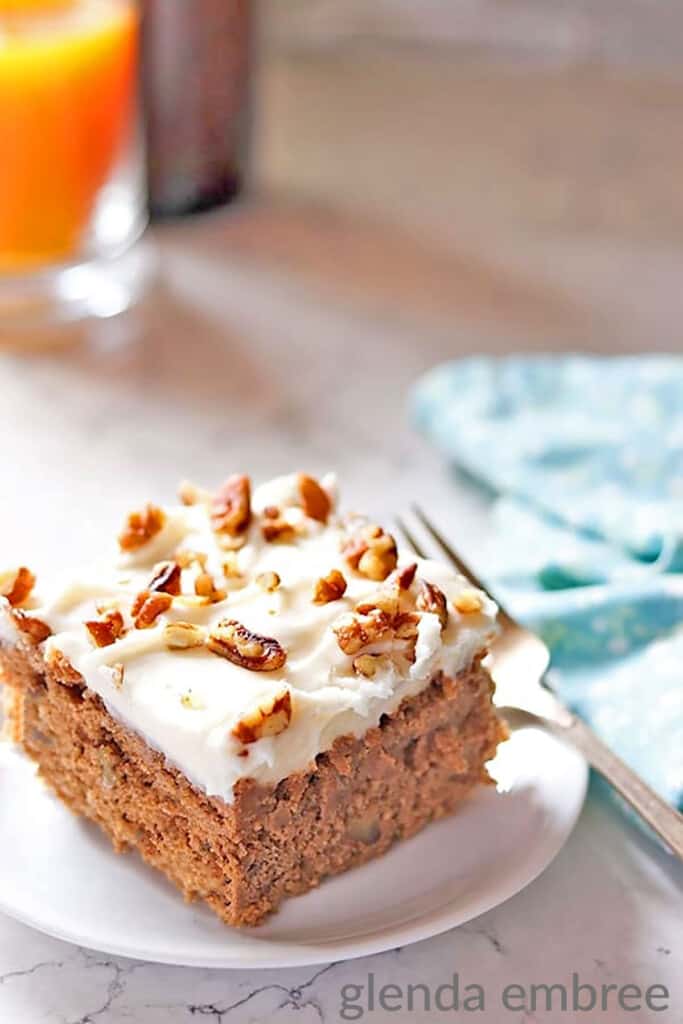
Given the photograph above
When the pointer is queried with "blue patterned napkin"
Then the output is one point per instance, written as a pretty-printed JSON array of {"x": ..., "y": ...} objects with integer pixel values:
[{"x": 583, "y": 457}]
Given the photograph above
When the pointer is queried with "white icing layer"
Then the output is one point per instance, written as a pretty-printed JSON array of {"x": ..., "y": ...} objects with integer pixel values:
[{"x": 186, "y": 703}]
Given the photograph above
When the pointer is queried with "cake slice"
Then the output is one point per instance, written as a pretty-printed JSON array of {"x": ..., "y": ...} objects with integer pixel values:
[{"x": 252, "y": 691}]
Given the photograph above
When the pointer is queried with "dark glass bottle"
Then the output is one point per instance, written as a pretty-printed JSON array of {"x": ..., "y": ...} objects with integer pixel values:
[{"x": 196, "y": 73}]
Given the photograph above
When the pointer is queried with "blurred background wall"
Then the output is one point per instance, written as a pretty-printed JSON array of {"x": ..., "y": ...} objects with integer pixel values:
[
  {"x": 544, "y": 135},
  {"x": 620, "y": 31}
]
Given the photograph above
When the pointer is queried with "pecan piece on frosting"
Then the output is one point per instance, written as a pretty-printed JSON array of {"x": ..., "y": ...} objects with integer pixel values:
[
  {"x": 148, "y": 607},
  {"x": 35, "y": 628},
  {"x": 329, "y": 588},
  {"x": 355, "y": 631},
  {"x": 141, "y": 527},
  {"x": 107, "y": 629},
  {"x": 368, "y": 664},
  {"x": 468, "y": 602},
  {"x": 315, "y": 502},
  {"x": 231, "y": 506},
  {"x": 17, "y": 585},
  {"x": 268, "y": 581},
  {"x": 371, "y": 552},
  {"x": 232, "y": 640},
  {"x": 276, "y": 528},
  {"x": 190, "y": 494},
  {"x": 268, "y": 719},
  {"x": 405, "y": 576},
  {"x": 432, "y": 599},
  {"x": 205, "y": 586},
  {"x": 180, "y": 636},
  {"x": 166, "y": 578}
]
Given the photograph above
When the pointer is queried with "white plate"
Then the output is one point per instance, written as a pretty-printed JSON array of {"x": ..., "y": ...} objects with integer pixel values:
[{"x": 59, "y": 874}]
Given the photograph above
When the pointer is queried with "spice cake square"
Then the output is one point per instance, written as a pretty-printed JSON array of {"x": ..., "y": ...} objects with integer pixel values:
[{"x": 252, "y": 690}]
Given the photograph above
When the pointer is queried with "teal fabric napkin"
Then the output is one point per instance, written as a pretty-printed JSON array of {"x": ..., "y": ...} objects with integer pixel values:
[{"x": 583, "y": 458}]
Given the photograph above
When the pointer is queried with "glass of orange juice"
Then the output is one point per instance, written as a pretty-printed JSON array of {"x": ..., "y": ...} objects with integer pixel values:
[{"x": 71, "y": 182}]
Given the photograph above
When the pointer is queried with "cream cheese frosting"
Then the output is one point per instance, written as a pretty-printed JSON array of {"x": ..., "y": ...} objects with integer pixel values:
[{"x": 187, "y": 704}]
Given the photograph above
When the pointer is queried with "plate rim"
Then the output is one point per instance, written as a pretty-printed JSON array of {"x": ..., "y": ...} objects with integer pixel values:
[{"x": 279, "y": 953}]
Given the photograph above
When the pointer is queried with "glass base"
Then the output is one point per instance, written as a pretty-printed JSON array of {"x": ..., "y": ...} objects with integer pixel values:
[{"x": 47, "y": 301}]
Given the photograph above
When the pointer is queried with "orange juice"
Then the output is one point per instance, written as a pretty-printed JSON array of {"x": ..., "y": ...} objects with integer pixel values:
[{"x": 67, "y": 75}]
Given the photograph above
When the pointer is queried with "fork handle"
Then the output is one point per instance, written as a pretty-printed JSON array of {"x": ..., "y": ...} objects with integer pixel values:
[{"x": 660, "y": 816}]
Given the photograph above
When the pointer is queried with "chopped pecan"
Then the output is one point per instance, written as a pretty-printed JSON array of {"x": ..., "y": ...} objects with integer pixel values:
[
  {"x": 355, "y": 631},
  {"x": 148, "y": 607},
  {"x": 314, "y": 500},
  {"x": 231, "y": 569},
  {"x": 329, "y": 588},
  {"x": 180, "y": 636},
  {"x": 268, "y": 719},
  {"x": 405, "y": 576},
  {"x": 17, "y": 585},
  {"x": 204, "y": 586},
  {"x": 386, "y": 600},
  {"x": 406, "y": 625},
  {"x": 35, "y": 628},
  {"x": 432, "y": 599},
  {"x": 268, "y": 581},
  {"x": 380, "y": 558},
  {"x": 107, "y": 629},
  {"x": 368, "y": 664},
  {"x": 166, "y": 578},
  {"x": 278, "y": 530},
  {"x": 271, "y": 512},
  {"x": 371, "y": 552},
  {"x": 190, "y": 494},
  {"x": 141, "y": 527},
  {"x": 186, "y": 558},
  {"x": 355, "y": 546},
  {"x": 231, "y": 506},
  {"x": 468, "y": 602},
  {"x": 233, "y": 641}
]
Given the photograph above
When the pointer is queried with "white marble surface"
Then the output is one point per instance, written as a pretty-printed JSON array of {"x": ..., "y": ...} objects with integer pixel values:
[{"x": 236, "y": 366}]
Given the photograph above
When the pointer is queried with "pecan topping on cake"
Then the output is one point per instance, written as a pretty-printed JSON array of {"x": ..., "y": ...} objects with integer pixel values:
[
  {"x": 231, "y": 640},
  {"x": 16, "y": 585},
  {"x": 148, "y": 607},
  {"x": 107, "y": 629},
  {"x": 268, "y": 581},
  {"x": 276, "y": 528},
  {"x": 432, "y": 599},
  {"x": 468, "y": 602},
  {"x": 386, "y": 601},
  {"x": 231, "y": 506},
  {"x": 406, "y": 625},
  {"x": 204, "y": 586},
  {"x": 268, "y": 719},
  {"x": 405, "y": 576},
  {"x": 368, "y": 664},
  {"x": 35, "y": 628},
  {"x": 371, "y": 552},
  {"x": 314, "y": 500},
  {"x": 180, "y": 636},
  {"x": 355, "y": 631},
  {"x": 141, "y": 527},
  {"x": 166, "y": 578},
  {"x": 329, "y": 588},
  {"x": 190, "y": 494}
]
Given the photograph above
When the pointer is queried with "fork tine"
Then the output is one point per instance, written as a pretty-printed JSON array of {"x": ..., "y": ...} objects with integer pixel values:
[
  {"x": 412, "y": 542},
  {"x": 456, "y": 560}
]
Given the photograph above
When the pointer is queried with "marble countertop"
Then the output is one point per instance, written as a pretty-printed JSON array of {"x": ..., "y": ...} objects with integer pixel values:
[{"x": 288, "y": 335}]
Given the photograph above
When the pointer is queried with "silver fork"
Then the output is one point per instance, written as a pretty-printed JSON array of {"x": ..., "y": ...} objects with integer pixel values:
[{"x": 518, "y": 662}]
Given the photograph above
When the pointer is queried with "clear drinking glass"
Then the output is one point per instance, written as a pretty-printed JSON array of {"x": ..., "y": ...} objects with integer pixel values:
[{"x": 72, "y": 200}]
